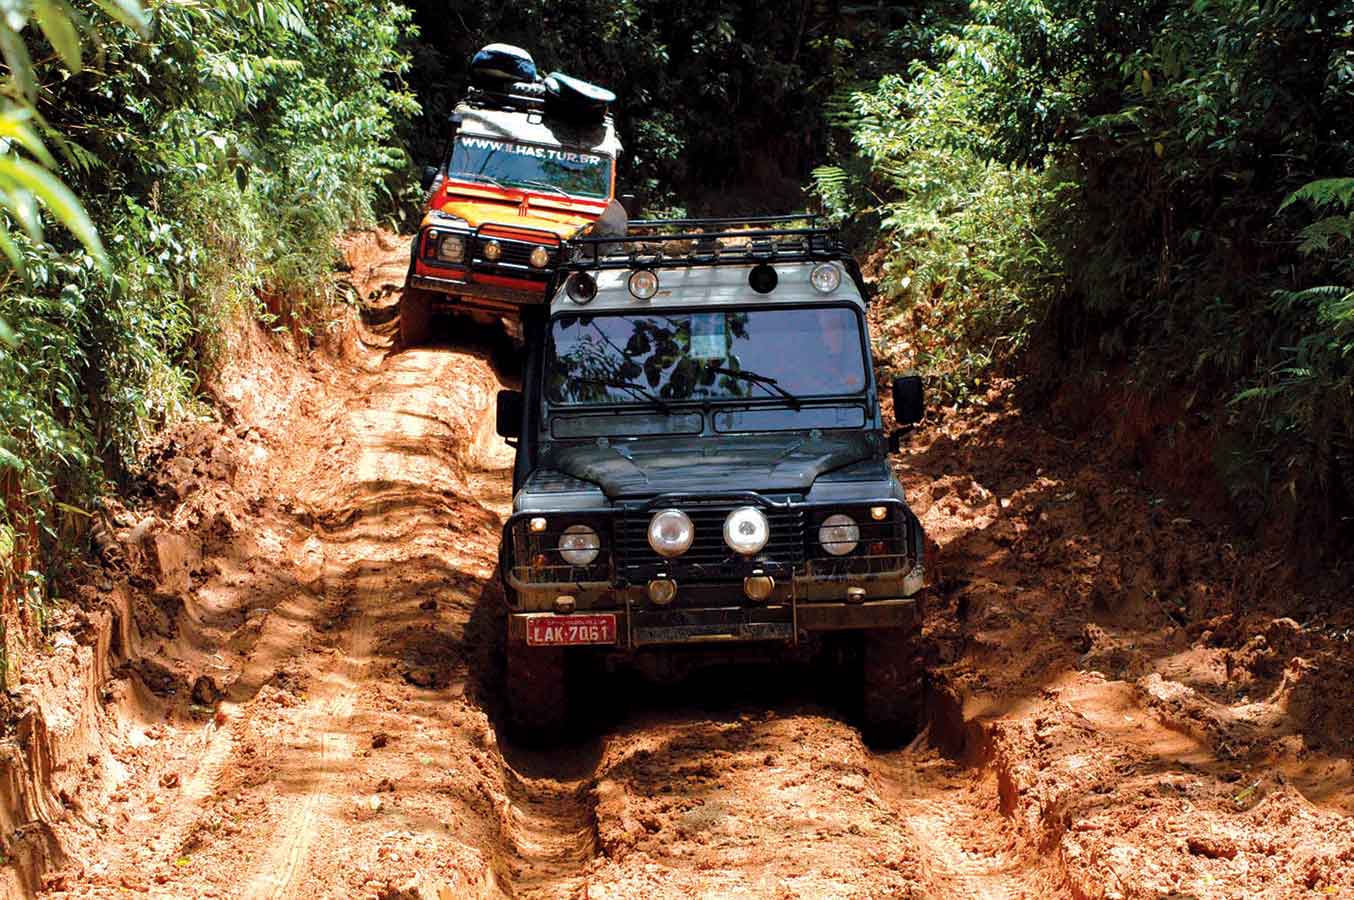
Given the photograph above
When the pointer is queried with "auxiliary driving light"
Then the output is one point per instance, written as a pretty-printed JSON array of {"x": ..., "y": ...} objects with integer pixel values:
[
  {"x": 451, "y": 248},
  {"x": 643, "y": 284},
  {"x": 537, "y": 524},
  {"x": 671, "y": 532},
  {"x": 746, "y": 530},
  {"x": 825, "y": 278},
  {"x": 662, "y": 591},
  {"x": 763, "y": 278},
  {"x": 839, "y": 534},
  {"x": 879, "y": 513},
  {"x": 758, "y": 587},
  {"x": 581, "y": 288},
  {"x": 539, "y": 258},
  {"x": 492, "y": 251},
  {"x": 579, "y": 545}
]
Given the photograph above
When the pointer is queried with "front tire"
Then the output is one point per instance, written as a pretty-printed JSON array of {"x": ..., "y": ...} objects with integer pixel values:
[
  {"x": 893, "y": 685},
  {"x": 537, "y": 691},
  {"x": 416, "y": 315}
]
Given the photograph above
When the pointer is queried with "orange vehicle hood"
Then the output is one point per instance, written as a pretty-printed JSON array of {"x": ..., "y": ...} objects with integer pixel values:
[{"x": 561, "y": 216}]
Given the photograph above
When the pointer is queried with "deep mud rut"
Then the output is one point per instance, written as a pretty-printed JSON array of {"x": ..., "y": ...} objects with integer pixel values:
[{"x": 305, "y": 703}]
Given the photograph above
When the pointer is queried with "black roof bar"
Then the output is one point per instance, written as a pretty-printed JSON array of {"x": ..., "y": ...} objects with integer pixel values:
[{"x": 727, "y": 220}]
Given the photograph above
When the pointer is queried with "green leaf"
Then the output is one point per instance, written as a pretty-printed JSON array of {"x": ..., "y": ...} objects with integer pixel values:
[
  {"x": 7, "y": 336},
  {"x": 57, "y": 198},
  {"x": 129, "y": 13},
  {"x": 1323, "y": 192},
  {"x": 56, "y": 25},
  {"x": 14, "y": 127},
  {"x": 20, "y": 64}
]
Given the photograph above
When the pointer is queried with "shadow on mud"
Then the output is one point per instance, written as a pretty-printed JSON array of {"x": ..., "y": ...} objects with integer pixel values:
[
  {"x": 608, "y": 700},
  {"x": 490, "y": 341}
]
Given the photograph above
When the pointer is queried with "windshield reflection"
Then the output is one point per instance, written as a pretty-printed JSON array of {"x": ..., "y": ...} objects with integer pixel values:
[{"x": 801, "y": 352}]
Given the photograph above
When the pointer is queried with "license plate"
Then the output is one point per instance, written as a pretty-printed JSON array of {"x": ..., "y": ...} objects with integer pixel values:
[{"x": 572, "y": 630}]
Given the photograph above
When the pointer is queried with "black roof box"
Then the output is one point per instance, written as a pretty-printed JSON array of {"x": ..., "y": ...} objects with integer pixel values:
[
  {"x": 574, "y": 100},
  {"x": 495, "y": 66}
]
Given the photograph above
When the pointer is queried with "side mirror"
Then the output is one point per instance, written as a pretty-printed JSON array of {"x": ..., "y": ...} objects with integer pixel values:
[
  {"x": 509, "y": 418},
  {"x": 429, "y": 176},
  {"x": 908, "y": 407},
  {"x": 630, "y": 203}
]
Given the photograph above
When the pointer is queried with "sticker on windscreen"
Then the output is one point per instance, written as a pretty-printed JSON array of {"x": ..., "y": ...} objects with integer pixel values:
[{"x": 707, "y": 336}]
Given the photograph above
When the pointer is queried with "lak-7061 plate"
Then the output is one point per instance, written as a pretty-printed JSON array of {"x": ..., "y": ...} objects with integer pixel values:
[{"x": 569, "y": 630}]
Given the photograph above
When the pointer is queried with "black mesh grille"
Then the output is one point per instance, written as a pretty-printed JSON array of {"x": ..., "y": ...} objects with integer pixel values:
[
  {"x": 515, "y": 253},
  {"x": 708, "y": 554}
]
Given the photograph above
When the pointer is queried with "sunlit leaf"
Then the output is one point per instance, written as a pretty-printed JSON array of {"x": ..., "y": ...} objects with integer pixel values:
[
  {"x": 56, "y": 25},
  {"x": 129, "y": 13},
  {"x": 56, "y": 197}
]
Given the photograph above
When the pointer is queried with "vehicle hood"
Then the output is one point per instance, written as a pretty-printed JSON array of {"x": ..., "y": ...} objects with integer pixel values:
[
  {"x": 781, "y": 463},
  {"x": 556, "y": 215}
]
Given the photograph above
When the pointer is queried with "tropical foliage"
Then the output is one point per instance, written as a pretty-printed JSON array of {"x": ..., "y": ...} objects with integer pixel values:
[
  {"x": 218, "y": 149},
  {"x": 1164, "y": 184}
]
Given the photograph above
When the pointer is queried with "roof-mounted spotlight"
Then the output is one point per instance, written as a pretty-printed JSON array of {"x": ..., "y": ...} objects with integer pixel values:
[
  {"x": 763, "y": 278},
  {"x": 825, "y": 277},
  {"x": 581, "y": 288},
  {"x": 643, "y": 284}
]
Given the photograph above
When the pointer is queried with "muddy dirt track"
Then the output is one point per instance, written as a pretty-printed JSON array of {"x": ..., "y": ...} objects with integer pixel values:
[{"x": 303, "y": 700}]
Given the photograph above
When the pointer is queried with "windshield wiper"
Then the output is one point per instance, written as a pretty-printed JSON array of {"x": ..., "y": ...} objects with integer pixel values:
[
  {"x": 545, "y": 184},
  {"x": 766, "y": 381},
  {"x": 476, "y": 176},
  {"x": 634, "y": 389}
]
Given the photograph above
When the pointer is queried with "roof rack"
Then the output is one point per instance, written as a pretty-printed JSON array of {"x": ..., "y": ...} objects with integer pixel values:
[
  {"x": 729, "y": 241},
  {"x": 516, "y": 97}
]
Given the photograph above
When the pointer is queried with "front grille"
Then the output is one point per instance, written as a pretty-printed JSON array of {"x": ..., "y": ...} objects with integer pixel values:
[
  {"x": 709, "y": 558},
  {"x": 515, "y": 259}
]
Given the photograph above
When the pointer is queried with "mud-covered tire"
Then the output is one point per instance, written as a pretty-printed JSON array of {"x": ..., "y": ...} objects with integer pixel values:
[
  {"x": 416, "y": 316},
  {"x": 536, "y": 689},
  {"x": 893, "y": 685}
]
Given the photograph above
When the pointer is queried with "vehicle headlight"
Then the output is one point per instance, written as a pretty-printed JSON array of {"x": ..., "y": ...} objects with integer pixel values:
[
  {"x": 492, "y": 251},
  {"x": 825, "y": 278},
  {"x": 746, "y": 530},
  {"x": 451, "y": 248},
  {"x": 581, "y": 288},
  {"x": 539, "y": 258},
  {"x": 839, "y": 534},
  {"x": 579, "y": 545},
  {"x": 643, "y": 284},
  {"x": 671, "y": 533}
]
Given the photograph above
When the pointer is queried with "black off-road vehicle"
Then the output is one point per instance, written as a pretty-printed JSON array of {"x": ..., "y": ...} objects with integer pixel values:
[{"x": 702, "y": 468}]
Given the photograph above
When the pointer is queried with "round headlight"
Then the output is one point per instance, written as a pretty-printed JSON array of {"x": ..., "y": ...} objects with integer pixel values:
[
  {"x": 643, "y": 284},
  {"x": 825, "y": 278},
  {"x": 839, "y": 534},
  {"x": 451, "y": 248},
  {"x": 579, "y": 545},
  {"x": 539, "y": 258},
  {"x": 671, "y": 533},
  {"x": 493, "y": 250},
  {"x": 746, "y": 530},
  {"x": 581, "y": 287}
]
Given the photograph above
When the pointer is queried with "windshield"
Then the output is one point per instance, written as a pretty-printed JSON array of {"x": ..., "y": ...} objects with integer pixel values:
[
  {"x": 780, "y": 354},
  {"x": 531, "y": 166}
]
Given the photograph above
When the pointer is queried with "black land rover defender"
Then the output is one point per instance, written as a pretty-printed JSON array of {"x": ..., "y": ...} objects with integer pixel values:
[{"x": 702, "y": 468}]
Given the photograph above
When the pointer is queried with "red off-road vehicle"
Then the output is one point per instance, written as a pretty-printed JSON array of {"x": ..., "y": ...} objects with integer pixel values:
[{"x": 528, "y": 164}]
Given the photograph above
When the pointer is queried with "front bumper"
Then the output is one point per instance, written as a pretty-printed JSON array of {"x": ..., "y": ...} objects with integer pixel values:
[
  {"x": 457, "y": 293},
  {"x": 787, "y": 624}
]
